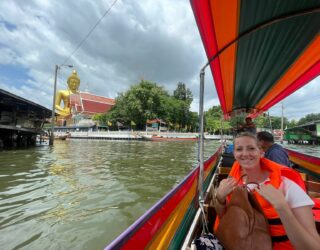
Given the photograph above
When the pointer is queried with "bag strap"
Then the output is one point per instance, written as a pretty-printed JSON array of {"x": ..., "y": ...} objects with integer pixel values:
[
  {"x": 246, "y": 184},
  {"x": 205, "y": 228},
  {"x": 251, "y": 182}
]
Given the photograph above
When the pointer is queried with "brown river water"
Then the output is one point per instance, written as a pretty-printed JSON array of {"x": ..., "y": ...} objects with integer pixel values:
[{"x": 81, "y": 194}]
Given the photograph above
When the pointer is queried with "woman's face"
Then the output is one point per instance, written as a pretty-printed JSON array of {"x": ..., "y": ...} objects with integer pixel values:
[{"x": 247, "y": 152}]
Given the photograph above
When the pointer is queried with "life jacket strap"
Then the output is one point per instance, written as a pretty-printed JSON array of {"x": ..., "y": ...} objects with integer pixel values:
[
  {"x": 275, "y": 221},
  {"x": 281, "y": 238}
]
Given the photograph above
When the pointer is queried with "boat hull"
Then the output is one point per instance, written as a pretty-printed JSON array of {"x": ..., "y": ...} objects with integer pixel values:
[
  {"x": 174, "y": 221},
  {"x": 165, "y": 225},
  {"x": 160, "y": 138}
]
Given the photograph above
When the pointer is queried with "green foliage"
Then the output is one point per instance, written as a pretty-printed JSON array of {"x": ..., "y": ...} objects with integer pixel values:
[
  {"x": 214, "y": 121},
  {"x": 309, "y": 118},
  {"x": 100, "y": 118},
  {"x": 271, "y": 122},
  {"x": 183, "y": 93},
  {"x": 147, "y": 100},
  {"x": 292, "y": 124},
  {"x": 262, "y": 121},
  {"x": 236, "y": 121}
]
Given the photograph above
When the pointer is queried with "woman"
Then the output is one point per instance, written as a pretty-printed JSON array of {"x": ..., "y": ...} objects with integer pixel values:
[{"x": 278, "y": 196}]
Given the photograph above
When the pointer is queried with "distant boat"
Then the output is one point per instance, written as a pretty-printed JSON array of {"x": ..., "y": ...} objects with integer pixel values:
[
  {"x": 61, "y": 137},
  {"x": 42, "y": 140},
  {"x": 217, "y": 137},
  {"x": 171, "y": 137}
]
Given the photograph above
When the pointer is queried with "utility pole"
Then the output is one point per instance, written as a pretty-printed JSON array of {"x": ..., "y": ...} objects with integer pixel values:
[
  {"x": 270, "y": 123},
  {"x": 57, "y": 67},
  {"x": 53, "y": 105},
  {"x": 281, "y": 137}
]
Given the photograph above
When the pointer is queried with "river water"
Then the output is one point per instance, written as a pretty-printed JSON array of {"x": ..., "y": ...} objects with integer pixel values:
[{"x": 81, "y": 194}]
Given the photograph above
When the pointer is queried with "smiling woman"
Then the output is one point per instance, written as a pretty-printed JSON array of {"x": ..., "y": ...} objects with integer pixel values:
[{"x": 279, "y": 197}]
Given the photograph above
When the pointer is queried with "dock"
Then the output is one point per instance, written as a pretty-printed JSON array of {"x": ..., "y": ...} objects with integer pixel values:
[{"x": 21, "y": 121}]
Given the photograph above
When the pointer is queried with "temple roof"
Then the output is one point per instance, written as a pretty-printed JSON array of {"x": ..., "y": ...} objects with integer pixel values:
[{"x": 90, "y": 104}]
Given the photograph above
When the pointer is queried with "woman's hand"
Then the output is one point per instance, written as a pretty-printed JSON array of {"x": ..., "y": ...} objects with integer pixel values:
[
  {"x": 298, "y": 222},
  {"x": 273, "y": 195},
  {"x": 226, "y": 187}
]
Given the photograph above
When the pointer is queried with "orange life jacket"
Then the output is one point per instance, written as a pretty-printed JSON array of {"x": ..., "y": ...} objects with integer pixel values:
[{"x": 277, "y": 231}]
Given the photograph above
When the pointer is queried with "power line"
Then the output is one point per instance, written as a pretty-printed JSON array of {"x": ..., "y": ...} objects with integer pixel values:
[{"x": 89, "y": 33}]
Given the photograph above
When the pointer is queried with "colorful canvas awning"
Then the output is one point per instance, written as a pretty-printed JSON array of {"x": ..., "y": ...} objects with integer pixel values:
[{"x": 265, "y": 50}]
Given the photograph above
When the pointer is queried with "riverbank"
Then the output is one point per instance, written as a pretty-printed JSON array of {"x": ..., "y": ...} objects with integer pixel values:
[{"x": 136, "y": 135}]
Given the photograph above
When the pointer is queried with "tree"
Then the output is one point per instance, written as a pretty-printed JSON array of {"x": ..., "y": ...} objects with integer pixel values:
[
  {"x": 100, "y": 118},
  {"x": 184, "y": 97},
  {"x": 214, "y": 122},
  {"x": 141, "y": 102},
  {"x": 183, "y": 93},
  {"x": 147, "y": 100},
  {"x": 309, "y": 118},
  {"x": 292, "y": 124}
]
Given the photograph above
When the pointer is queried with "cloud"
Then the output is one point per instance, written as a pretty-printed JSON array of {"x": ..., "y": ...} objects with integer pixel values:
[
  {"x": 8, "y": 56},
  {"x": 152, "y": 40},
  {"x": 302, "y": 102}
]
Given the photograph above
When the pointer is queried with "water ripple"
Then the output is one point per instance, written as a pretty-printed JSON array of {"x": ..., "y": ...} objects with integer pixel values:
[{"x": 81, "y": 194}]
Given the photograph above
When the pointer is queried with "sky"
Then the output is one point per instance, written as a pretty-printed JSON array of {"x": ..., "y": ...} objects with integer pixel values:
[{"x": 113, "y": 44}]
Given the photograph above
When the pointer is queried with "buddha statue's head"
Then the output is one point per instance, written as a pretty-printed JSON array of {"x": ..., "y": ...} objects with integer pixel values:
[{"x": 73, "y": 82}]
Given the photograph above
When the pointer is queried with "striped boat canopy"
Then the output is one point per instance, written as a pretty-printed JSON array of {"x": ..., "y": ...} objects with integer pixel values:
[{"x": 260, "y": 51}]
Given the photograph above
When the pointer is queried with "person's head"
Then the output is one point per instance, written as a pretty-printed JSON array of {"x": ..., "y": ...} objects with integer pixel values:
[
  {"x": 248, "y": 119},
  {"x": 265, "y": 140},
  {"x": 247, "y": 151},
  {"x": 73, "y": 82}
]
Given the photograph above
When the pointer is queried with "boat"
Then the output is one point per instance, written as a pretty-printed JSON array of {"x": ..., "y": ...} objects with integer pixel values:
[
  {"x": 171, "y": 137},
  {"x": 259, "y": 53},
  {"x": 165, "y": 138},
  {"x": 42, "y": 140},
  {"x": 218, "y": 137},
  {"x": 61, "y": 137}
]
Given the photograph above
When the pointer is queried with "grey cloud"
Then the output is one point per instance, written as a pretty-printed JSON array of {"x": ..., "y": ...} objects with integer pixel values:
[{"x": 154, "y": 40}]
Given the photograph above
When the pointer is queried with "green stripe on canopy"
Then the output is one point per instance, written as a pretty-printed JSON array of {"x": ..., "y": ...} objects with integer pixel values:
[{"x": 265, "y": 55}]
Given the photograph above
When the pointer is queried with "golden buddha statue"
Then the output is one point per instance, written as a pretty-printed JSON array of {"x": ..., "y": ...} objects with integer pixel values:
[{"x": 64, "y": 95}]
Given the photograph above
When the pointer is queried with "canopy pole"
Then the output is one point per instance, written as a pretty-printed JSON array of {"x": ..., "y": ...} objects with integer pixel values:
[{"x": 201, "y": 135}]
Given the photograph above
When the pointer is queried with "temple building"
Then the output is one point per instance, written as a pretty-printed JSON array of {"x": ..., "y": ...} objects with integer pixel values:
[
  {"x": 88, "y": 104},
  {"x": 85, "y": 105}
]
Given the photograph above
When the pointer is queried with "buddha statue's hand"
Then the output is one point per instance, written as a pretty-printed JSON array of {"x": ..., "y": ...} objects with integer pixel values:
[{"x": 62, "y": 111}]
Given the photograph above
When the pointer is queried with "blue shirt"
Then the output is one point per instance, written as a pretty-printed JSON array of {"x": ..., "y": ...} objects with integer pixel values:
[{"x": 277, "y": 154}]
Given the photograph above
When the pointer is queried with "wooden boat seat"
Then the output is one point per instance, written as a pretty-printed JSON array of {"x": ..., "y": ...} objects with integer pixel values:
[
  {"x": 316, "y": 215},
  {"x": 227, "y": 159},
  {"x": 224, "y": 170},
  {"x": 313, "y": 186}
]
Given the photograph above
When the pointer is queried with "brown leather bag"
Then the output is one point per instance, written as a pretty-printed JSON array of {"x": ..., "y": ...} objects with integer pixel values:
[{"x": 244, "y": 226}]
